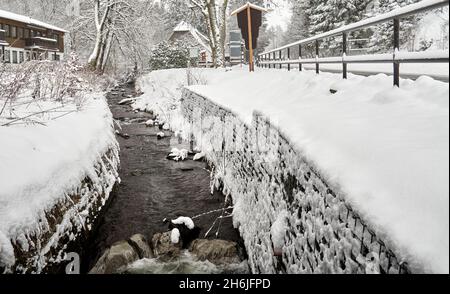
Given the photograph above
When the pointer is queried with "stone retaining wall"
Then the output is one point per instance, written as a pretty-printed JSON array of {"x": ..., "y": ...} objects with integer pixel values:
[
  {"x": 290, "y": 219},
  {"x": 67, "y": 225}
]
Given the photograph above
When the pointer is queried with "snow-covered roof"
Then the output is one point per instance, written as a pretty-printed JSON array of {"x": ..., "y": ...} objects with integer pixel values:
[
  {"x": 252, "y": 6},
  {"x": 184, "y": 27},
  {"x": 28, "y": 20}
]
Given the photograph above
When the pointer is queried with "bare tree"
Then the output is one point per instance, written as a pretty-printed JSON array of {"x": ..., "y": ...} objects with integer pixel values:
[{"x": 215, "y": 15}]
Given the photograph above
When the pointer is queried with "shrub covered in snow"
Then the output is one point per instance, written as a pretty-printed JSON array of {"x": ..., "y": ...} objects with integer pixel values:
[{"x": 169, "y": 55}]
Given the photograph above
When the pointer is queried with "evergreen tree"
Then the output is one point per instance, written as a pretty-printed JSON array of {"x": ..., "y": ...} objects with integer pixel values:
[
  {"x": 326, "y": 15},
  {"x": 382, "y": 39},
  {"x": 169, "y": 55},
  {"x": 298, "y": 27}
]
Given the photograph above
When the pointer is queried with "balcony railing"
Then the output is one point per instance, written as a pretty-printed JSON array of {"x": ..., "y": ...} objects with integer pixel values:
[{"x": 42, "y": 43}]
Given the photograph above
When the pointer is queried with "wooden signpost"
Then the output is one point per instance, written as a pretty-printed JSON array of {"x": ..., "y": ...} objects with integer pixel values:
[{"x": 249, "y": 21}]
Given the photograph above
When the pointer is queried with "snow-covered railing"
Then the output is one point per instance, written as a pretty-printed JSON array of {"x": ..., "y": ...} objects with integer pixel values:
[{"x": 275, "y": 57}]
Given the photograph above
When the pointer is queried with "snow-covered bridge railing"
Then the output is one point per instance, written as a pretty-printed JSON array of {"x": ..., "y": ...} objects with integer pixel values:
[{"x": 282, "y": 55}]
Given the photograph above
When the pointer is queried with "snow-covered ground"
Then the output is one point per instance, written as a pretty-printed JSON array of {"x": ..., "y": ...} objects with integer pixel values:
[
  {"x": 41, "y": 163},
  {"x": 436, "y": 70},
  {"x": 385, "y": 148}
]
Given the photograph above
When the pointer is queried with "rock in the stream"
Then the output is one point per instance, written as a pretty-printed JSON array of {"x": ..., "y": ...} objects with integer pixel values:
[
  {"x": 216, "y": 251},
  {"x": 163, "y": 247},
  {"x": 115, "y": 258},
  {"x": 160, "y": 135},
  {"x": 141, "y": 245}
]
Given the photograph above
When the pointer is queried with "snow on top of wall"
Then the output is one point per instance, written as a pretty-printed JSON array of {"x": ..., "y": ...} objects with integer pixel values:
[
  {"x": 40, "y": 164},
  {"x": 29, "y": 20},
  {"x": 385, "y": 148}
]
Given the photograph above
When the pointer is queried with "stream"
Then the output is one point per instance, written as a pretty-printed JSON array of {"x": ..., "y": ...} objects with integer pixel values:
[{"x": 153, "y": 188}]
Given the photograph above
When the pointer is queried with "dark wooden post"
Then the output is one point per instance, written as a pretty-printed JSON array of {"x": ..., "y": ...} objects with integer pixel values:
[
  {"x": 280, "y": 55},
  {"x": 344, "y": 54},
  {"x": 289, "y": 58},
  {"x": 317, "y": 56},
  {"x": 300, "y": 67},
  {"x": 274, "y": 59},
  {"x": 396, "y": 49},
  {"x": 250, "y": 38}
]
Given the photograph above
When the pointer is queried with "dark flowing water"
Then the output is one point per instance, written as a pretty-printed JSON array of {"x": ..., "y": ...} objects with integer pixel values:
[{"x": 152, "y": 187}]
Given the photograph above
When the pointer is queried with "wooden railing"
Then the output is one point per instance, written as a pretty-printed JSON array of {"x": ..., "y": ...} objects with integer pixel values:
[
  {"x": 2, "y": 35},
  {"x": 282, "y": 55},
  {"x": 42, "y": 43}
]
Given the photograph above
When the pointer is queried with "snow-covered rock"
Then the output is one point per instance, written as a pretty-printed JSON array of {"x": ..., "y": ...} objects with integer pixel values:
[
  {"x": 178, "y": 154},
  {"x": 188, "y": 222},
  {"x": 199, "y": 156},
  {"x": 161, "y": 135},
  {"x": 175, "y": 236}
]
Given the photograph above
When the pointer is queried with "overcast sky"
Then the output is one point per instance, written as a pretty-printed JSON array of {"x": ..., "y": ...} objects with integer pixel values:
[{"x": 281, "y": 15}]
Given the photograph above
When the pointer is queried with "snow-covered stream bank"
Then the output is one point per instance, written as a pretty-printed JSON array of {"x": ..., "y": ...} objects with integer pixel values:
[
  {"x": 370, "y": 144},
  {"x": 54, "y": 179}
]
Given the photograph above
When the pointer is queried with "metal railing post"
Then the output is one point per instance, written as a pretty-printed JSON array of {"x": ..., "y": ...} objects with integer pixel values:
[
  {"x": 396, "y": 49},
  {"x": 280, "y": 55},
  {"x": 274, "y": 59},
  {"x": 289, "y": 58},
  {"x": 317, "y": 57},
  {"x": 300, "y": 67},
  {"x": 344, "y": 54}
]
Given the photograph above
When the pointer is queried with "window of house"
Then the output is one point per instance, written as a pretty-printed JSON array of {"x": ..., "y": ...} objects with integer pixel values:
[
  {"x": 14, "y": 57},
  {"x": 26, "y": 33},
  {"x": 6, "y": 28},
  {"x": 20, "y": 33},
  {"x": 13, "y": 32},
  {"x": 57, "y": 57},
  {"x": 32, "y": 34},
  {"x": 7, "y": 56},
  {"x": 21, "y": 57}
]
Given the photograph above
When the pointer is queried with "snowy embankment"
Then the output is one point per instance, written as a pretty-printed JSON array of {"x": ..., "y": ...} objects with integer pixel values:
[
  {"x": 58, "y": 165},
  {"x": 385, "y": 148}
]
